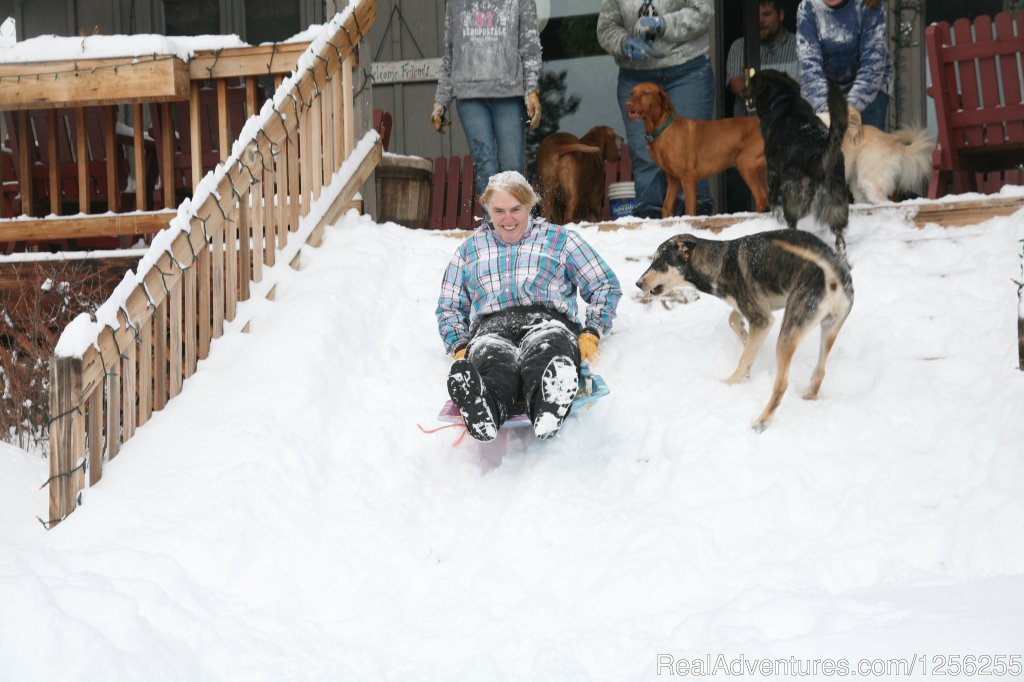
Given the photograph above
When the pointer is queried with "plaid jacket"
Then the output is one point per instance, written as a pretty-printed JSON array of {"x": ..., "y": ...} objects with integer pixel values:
[{"x": 548, "y": 266}]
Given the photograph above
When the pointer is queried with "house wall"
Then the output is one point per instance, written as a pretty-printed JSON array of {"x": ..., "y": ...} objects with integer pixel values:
[
  {"x": 413, "y": 29},
  {"x": 72, "y": 17}
]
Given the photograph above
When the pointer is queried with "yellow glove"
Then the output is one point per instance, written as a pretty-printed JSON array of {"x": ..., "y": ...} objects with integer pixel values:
[
  {"x": 533, "y": 108},
  {"x": 437, "y": 116},
  {"x": 460, "y": 353},
  {"x": 588, "y": 347}
]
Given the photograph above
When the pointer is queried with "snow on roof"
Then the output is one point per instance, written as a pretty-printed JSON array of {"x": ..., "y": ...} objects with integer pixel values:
[{"x": 48, "y": 48}]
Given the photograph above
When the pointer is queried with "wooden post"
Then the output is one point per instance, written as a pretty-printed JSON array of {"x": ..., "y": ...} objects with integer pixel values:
[
  {"x": 223, "y": 123},
  {"x": 205, "y": 279},
  {"x": 67, "y": 436},
  {"x": 160, "y": 335},
  {"x": 52, "y": 159},
  {"x": 94, "y": 412},
  {"x": 24, "y": 162},
  {"x": 190, "y": 296},
  {"x": 145, "y": 385},
  {"x": 113, "y": 381},
  {"x": 196, "y": 141},
  {"x": 256, "y": 216},
  {"x": 82, "y": 152},
  {"x": 109, "y": 115},
  {"x": 231, "y": 236},
  {"x": 166, "y": 151},
  {"x": 129, "y": 392},
  {"x": 141, "y": 181},
  {"x": 217, "y": 282},
  {"x": 174, "y": 349}
]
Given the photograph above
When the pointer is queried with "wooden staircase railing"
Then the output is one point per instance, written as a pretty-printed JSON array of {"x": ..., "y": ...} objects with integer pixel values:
[{"x": 109, "y": 374}]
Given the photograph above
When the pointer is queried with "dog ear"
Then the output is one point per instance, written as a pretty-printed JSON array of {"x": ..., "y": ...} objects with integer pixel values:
[
  {"x": 685, "y": 246},
  {"x": 663, "y": 99}
]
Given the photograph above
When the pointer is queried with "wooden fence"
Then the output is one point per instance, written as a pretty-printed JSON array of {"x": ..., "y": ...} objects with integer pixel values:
[{"x": 108, "y": 375}]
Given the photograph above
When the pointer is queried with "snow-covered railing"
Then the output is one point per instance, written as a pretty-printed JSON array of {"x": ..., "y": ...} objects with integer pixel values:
[
  {"x": 294, "y": 169},
  {"x": 67, "y": 173}
]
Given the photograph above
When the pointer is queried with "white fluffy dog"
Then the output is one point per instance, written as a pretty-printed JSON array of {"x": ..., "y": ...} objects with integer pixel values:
[{"x": 878, "y": 164}]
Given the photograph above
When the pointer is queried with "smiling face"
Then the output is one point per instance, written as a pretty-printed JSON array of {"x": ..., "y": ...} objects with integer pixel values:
[{"x": 509, "y": 215}]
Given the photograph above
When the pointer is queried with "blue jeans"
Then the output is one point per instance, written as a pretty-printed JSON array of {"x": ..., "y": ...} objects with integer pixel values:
[
  {"x": 876, "y": 113},
  {"x": 690, "y": 87},
  {"x": 496, "y": 133}
]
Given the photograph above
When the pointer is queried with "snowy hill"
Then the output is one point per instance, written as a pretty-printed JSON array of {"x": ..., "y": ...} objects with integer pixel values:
[{"x": 285, "y": 519}]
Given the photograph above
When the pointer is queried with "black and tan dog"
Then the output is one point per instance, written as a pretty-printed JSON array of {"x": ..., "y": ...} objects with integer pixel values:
[
  {"x": 756, "y": 275},
  {"x": 806, "y": 174}
]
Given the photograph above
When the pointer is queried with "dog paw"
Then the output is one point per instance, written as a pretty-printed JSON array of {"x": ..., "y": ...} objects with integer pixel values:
[
  {"x": 759, "y": 426},
  {"x": 810, "y": 395}
]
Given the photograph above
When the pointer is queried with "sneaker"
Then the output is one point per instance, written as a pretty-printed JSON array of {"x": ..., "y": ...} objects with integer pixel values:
[
  {"x": 467, "y": 392},
  {"x": 558, "y": 387}
]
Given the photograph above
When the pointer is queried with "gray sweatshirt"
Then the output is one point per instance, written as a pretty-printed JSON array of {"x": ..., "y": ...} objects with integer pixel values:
[
  {"x": 687, "y": 23},
  {"x": 491, "y": 49}
]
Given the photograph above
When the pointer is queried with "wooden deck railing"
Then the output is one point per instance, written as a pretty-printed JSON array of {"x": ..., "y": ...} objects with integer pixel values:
[
  {"x": 110, "y": 373},
  {"x": 68, "y": 156}
]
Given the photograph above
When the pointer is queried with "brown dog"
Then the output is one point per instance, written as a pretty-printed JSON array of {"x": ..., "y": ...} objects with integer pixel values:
[
  {"x": 571, "y": 173},
  {"x": 689, "y": 150}
]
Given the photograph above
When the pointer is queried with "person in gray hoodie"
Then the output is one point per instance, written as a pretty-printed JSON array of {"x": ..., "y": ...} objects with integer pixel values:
[
  {"x": 663, "y": 42},
  {"x": 490, "y": 66}
]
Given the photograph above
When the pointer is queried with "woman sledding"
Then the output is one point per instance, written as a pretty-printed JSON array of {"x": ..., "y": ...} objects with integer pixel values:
[{"x": 507, "y": 312}]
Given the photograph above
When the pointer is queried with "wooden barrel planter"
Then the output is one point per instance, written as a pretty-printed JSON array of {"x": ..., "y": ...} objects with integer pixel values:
[{"x": 403, "y": 190}]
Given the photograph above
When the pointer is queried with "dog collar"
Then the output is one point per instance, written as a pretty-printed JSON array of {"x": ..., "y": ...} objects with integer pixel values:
[
  {"x": 650, "y": 137},
  {"x": 778, "y": 99}
]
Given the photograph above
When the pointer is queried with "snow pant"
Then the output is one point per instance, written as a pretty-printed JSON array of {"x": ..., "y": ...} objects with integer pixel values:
[{"x": 511, "y": 349}]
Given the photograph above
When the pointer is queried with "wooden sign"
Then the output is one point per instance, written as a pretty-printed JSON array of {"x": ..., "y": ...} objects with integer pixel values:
[{"x": 406, "y": 71}]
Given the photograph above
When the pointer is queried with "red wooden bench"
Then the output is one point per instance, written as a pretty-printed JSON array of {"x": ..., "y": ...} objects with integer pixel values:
[
  {"x": 452, "y": 206},
  {"x": 977, "y": 86},
  {"x": 452, "y": 200},
  {"x": 619, "y": 171},
  {"x": 382, "y": 123}
]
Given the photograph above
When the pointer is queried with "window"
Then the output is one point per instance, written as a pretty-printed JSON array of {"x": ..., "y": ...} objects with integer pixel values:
[
  {"x": 269, "y": 21},
  {"x": 191, "y": 17}
]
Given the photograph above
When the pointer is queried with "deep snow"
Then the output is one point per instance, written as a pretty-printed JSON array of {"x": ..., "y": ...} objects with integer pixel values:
[{"x": 284, "y": 518}]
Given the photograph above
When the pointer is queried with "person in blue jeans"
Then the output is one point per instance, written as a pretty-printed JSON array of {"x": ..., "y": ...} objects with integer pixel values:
[
  {"x": 844, "y": 41},
  {"x": 491, "y": 66},
  {"x": 663, "y": 42}
]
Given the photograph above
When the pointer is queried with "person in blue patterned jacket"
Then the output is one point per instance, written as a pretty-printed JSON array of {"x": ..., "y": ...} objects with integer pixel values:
[
  {"x": 845, "y": 41},
  {"x": 508, "y": 308}
]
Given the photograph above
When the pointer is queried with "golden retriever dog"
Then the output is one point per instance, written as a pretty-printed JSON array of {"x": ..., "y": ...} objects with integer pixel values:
[
  {"x": 571, "y": 173},
  {"x": 689, "y": 150},
  {"x": 879, "y": 165}
]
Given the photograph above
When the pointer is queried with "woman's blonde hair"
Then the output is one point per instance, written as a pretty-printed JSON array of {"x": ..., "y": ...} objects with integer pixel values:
[{"x": 512, "y": 182}]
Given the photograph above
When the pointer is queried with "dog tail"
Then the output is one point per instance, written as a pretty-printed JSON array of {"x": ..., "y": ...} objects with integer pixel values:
[
  {"x": 915, "y": 159},
  {"x": 833, "y": 278},
  {"x": 839, "y": 120},
  {"x": 580, "y": 147}
]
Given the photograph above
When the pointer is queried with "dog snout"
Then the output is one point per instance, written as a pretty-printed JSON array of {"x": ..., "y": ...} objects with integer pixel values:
[{"x": 644, "y": 285}]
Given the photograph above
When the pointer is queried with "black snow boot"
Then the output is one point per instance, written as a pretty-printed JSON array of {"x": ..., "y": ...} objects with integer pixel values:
[
  {"x": 558, "y": 387},
  {"x": 467, "y": 392}
]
